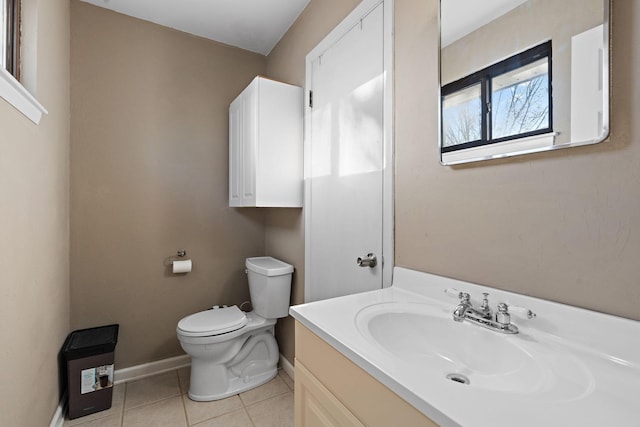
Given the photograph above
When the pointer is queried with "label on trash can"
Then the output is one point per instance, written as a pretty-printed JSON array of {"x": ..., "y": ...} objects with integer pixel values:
[{"x": 94, "y": 379}]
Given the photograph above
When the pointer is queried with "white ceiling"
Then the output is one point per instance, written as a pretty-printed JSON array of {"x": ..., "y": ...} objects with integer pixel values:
[
  {"x": 460, "y": 17},
  {"x": 254, "y": 25}
]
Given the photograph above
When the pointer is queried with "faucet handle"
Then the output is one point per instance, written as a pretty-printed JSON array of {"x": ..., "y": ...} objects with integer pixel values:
[
  {"x": 523, "y": 311},
  {"x": 502, "y": 315},
  {"x": 453, "y": 293},
  {"x": 485, "y": 301},
  {"x": 465, "y": 298}
]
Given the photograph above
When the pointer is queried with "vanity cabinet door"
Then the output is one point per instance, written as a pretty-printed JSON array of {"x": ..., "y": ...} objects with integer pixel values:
[
  {"x": 315, "y": 406},
  {"x": 331, "y": 390}
]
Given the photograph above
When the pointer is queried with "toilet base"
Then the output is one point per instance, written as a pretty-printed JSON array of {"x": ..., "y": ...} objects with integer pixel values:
[
  {"x": 254, "y": 362},
  {"x": 237, "y": 385}
]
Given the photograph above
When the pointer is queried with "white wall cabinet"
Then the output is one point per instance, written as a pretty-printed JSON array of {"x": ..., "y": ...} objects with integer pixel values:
[{"x": 265, "y": 145}]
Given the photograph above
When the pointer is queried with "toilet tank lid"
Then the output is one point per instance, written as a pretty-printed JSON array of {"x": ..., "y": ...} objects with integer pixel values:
[{"x": 268, "y": 266}]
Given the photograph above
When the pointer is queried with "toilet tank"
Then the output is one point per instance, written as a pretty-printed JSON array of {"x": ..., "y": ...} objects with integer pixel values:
[{"x": 269, "y": 286}]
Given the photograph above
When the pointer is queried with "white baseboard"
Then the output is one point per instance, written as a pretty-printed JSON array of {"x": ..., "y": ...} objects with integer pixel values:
[
  {"x": 158, "y": 367},
  {"x": 58, "y": 416},
  {"x": 148, "y": 369},
  {"x": 287, "y": 367}
]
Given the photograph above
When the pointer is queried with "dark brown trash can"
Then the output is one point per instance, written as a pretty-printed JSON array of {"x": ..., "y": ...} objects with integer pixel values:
[{"x": 89, "y": 357}]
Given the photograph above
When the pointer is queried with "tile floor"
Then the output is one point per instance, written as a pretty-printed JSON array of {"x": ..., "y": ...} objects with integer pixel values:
[{"x": 161, "y": 400}]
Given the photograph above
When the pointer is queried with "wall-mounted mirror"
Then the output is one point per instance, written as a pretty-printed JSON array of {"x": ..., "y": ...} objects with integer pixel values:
[{"x": 522, "y": 76}]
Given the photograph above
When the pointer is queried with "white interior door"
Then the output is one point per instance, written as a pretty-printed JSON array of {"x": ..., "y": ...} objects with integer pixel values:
[{"x": 345, "y": 160}]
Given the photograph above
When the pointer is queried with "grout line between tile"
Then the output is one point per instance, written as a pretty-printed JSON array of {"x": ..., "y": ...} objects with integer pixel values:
[
  {"x": 180, "y": 382},
  {"x": 249, "y": 416},
  {"x": 184, "y": 407},
  {"x": 124, "y": 399},
  {"x": 246, "y": 405},
  {"x": 154, "y": 401}
]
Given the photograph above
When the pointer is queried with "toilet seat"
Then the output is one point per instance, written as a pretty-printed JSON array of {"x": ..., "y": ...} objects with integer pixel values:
[{"x": 216, "y": 321}]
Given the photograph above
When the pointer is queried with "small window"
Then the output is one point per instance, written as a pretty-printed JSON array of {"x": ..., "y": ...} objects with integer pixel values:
[
  {"x": 505, "y": 101},
  {"x": 10, "y": 29}
]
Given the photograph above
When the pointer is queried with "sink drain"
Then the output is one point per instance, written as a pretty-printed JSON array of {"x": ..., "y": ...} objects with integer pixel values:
[{"x": 458, "y": 378}]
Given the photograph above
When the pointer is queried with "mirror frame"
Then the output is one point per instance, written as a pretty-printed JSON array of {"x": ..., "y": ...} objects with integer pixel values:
[{"x": 519, "y": 147}]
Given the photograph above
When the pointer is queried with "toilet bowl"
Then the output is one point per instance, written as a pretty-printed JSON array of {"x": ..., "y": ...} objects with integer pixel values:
[{"x": 233, "y": 351}]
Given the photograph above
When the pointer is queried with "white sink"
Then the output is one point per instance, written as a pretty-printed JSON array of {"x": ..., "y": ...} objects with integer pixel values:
[
  {"x": 425, "y": 336},
  {"x": 568, "y": 366}
]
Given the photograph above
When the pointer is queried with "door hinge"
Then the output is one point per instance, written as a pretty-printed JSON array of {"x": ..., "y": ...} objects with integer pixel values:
[{"x": 310, "y": 99}]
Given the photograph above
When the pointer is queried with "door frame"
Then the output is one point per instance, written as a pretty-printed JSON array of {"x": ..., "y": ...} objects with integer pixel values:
[{"x": 353, "y": 19}]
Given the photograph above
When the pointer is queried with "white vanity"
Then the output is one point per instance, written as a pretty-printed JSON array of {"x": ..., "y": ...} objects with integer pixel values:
[{"x": 395, "y": 356}]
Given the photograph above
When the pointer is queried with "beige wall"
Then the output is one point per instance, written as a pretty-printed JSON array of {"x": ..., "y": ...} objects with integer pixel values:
[
  {"x": 562, "y": 226},
  {"x": 149, "y": 175},
  {"x": 128, "y": 189},
  {"x": 34, "y": 225},
  {"x": 284, "y": 228}
]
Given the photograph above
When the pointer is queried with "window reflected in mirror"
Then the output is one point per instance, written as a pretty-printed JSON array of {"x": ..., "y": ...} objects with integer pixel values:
[
  {"x": 462, "y": 116},
  {"x": 507, "y": 100},
  {"x": 520, "y": 100}
]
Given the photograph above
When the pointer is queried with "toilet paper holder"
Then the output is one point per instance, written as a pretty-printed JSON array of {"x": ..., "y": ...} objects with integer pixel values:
[
  {"x": 180, "y": 254},
  {"x": 177, "y": 257},
  {"x": 178, "y": 264}
]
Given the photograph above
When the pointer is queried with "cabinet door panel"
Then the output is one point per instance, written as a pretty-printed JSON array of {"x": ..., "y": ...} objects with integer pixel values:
[
  {"x": 316, "y": 406},
  {"x": 366, "y": 398},
  {"x": 235, "y": 153},
  {"x": 249, "y": 144}
]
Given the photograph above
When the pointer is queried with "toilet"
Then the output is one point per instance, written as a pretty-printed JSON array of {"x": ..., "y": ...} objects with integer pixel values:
[{"x": 233, "y": 351}]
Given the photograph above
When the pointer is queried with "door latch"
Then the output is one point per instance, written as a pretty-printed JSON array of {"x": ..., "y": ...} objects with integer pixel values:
[{"x": 369, "y": 261}]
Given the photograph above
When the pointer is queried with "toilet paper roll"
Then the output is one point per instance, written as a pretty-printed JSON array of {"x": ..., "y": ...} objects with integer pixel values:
[{"x": 182, "y": 266}]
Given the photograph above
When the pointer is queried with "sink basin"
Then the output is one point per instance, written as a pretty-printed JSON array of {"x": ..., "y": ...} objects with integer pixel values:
[
  {"x": 426, "y": 337},
  {"x": 567, "y": 367}
]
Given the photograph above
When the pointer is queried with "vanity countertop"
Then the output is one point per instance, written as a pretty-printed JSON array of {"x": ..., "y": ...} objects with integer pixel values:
[{"x": 567, "y": 366}]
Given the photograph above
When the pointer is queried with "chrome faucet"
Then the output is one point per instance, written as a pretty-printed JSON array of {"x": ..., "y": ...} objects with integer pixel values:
[
  {"x": 483, "y": 315},
  {"x": 461, "y": 309},
  {"x": 465, "y": 308}
]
